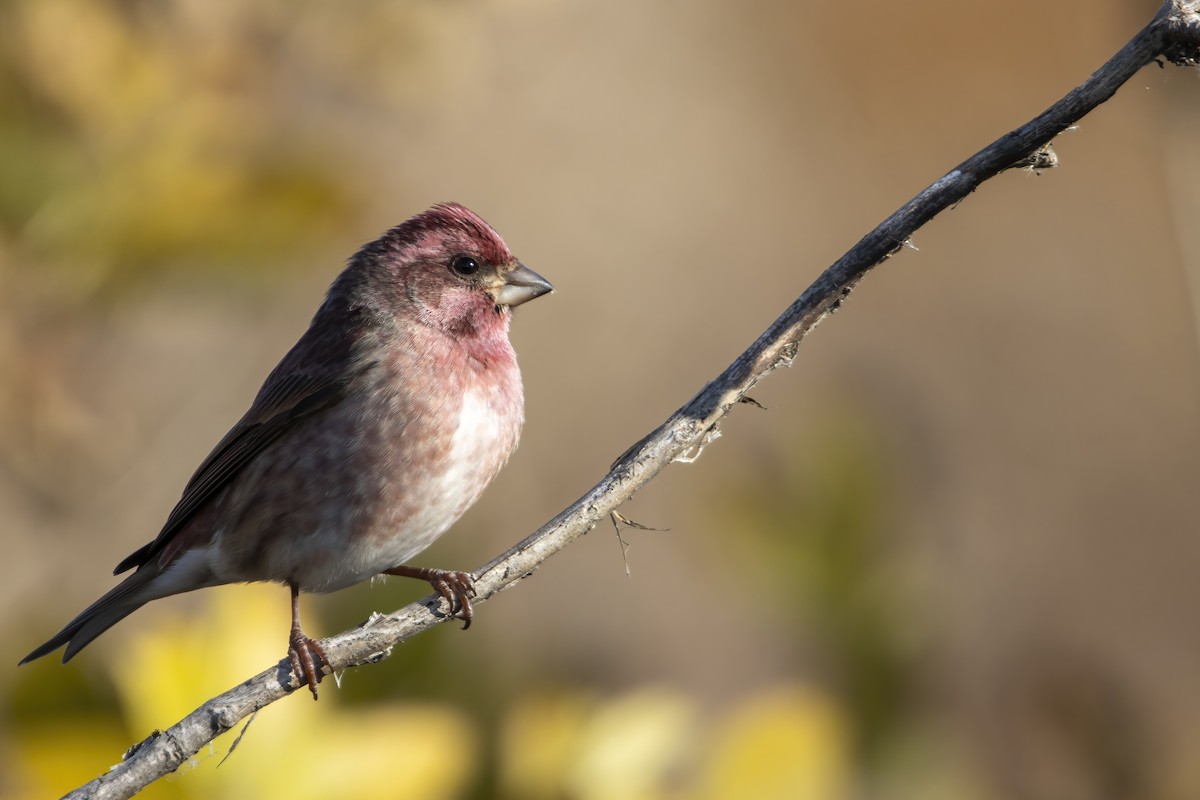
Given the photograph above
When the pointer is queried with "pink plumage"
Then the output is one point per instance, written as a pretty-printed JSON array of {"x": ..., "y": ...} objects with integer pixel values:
[{"x": 372, "y": 436}]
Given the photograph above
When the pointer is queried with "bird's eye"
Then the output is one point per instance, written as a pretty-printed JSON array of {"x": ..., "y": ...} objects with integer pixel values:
[{"x": 464, "y": 265}]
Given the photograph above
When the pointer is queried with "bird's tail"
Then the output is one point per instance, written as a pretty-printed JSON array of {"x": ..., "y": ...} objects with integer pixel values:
[{"x": 125, "y": 598}]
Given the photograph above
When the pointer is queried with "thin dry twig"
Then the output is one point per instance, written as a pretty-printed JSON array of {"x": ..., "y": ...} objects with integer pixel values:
[
  {"x": 1173, "y": 35},
  {"x": 619, "y": 520}
]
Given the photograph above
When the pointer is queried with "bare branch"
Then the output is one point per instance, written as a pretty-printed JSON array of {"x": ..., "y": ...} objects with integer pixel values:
[{"x": 1173, "y": 34}]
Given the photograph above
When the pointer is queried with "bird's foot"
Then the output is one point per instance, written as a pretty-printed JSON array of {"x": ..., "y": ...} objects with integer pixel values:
[
  {"x": 304, "y": 654},
  {"x": 457, "y": 587}
]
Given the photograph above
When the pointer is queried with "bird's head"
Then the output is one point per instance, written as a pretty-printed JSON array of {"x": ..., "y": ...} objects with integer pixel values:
[{"x": 452, "y": 271}]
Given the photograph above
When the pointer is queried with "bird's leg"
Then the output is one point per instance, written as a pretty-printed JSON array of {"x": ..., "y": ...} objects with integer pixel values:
[
  {"x": 301, "y": 650},
  {"x": 457, "y": 587}
]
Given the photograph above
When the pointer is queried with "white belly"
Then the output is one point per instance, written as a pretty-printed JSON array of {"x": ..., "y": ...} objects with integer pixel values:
[{"x": 429, "y": 500}]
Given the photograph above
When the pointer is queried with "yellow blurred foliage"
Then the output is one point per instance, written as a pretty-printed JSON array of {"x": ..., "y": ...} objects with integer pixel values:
[
  {"x": 151, "y": 143},
  {"x": 631, "y": 744},
  {"x": 45, "y": 760},
  {"x": 389, "y": 752},
  {"x": 790, "y": 743},
  {"x": 652, "y": 743},
  {"x": 110, "y": 75},
  {"x": 292, "y": 749},
  {"x": 538, "y": 740},
  {"x": 564, "y": 744}
]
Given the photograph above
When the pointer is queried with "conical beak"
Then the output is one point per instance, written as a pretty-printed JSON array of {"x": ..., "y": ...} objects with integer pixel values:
[{"x": 520, "y": 286}]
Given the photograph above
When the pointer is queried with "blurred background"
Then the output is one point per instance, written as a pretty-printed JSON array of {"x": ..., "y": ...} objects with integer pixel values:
[{"x": 956, "y": 556}]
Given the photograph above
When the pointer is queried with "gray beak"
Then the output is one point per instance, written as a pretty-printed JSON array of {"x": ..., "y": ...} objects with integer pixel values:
[{"x": 520, "y": 286}]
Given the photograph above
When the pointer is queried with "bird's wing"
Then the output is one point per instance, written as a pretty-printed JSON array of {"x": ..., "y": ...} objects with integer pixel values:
[{"x": 286, "y": 397}]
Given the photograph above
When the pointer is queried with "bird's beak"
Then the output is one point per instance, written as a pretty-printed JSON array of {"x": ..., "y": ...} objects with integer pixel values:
[{"x": 520, "y": 286}]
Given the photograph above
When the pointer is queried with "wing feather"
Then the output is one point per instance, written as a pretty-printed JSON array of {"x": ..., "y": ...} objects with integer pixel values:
[{"x": 287, "y": 397}]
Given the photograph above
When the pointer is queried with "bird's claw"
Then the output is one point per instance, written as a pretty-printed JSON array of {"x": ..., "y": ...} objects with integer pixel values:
[
  {"x": 458, "y": 588},
  {"x": 301, "y": 652}
]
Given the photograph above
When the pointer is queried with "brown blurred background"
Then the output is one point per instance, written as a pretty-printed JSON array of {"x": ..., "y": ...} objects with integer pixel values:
[{"x": 955, "y": 558}]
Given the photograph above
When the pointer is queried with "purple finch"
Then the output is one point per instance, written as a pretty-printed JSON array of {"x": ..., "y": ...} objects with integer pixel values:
[{"x": 372, "y": 436}]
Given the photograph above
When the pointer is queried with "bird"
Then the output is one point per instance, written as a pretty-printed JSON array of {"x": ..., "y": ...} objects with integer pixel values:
[{"x": 371, "y": 437}]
